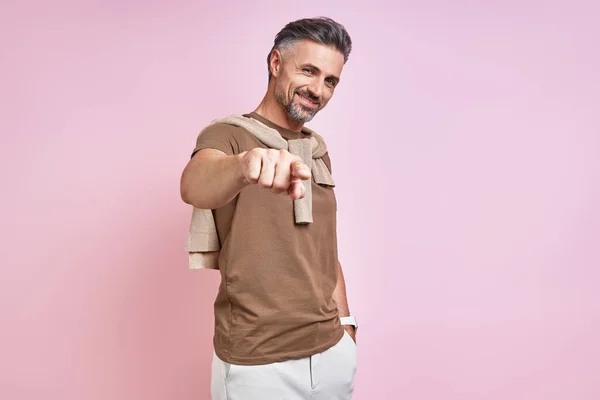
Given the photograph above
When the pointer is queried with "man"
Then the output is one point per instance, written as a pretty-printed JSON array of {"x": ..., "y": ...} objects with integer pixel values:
[{"x": 283, "y": 329}]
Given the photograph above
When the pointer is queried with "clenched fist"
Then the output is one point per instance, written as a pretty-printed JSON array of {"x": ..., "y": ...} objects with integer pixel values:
[{"x": 277, "y": 170}]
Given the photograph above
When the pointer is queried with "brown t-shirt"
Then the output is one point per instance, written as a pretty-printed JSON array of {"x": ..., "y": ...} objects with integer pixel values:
[{"x": 277, "y": 277}]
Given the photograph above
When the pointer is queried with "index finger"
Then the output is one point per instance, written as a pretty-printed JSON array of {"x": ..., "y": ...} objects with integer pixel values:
[{"x": 300, "y": 170}]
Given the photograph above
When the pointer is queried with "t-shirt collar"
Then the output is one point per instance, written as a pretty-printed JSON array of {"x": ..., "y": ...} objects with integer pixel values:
[{"x": 287, "y": 134}]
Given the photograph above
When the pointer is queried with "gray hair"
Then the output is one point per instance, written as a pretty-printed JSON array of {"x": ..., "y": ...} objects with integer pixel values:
[{"x": 321, "y": 30}]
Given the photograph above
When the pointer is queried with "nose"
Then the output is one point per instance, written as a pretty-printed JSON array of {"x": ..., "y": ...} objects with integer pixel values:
[{"x": 316, "y": 88}]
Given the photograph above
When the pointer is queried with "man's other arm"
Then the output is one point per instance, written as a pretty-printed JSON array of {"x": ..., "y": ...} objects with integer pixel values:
[{"x": 339, "y": 296}]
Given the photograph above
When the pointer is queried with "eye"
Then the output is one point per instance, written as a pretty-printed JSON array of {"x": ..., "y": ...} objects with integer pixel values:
[
  {"x": 308, "y": 70},
  {"x": 330, "y": 82}
]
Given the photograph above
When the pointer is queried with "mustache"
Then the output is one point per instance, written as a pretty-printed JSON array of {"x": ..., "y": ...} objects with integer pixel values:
[{"x": 309, "y": 95}]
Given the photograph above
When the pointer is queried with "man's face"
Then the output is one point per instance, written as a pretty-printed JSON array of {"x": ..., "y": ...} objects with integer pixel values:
[{"x": 306, "y": 78}]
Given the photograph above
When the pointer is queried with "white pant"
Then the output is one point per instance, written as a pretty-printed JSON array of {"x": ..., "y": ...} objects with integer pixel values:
[{"x": 324, "y": 376}]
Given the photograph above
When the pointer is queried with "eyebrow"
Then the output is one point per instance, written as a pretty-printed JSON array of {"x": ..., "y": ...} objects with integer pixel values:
[{"x": 317, "y": 69}]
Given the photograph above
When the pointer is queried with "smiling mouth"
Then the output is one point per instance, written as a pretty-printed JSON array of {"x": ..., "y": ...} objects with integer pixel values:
[{"x": 308, "y": 101}]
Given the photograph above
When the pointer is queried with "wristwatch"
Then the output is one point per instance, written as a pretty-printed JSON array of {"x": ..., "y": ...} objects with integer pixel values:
[{"x": 349, "y": 320}]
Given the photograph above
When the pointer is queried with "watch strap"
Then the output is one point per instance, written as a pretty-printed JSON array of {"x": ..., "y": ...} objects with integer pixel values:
[{"x": 349, "y": 320}]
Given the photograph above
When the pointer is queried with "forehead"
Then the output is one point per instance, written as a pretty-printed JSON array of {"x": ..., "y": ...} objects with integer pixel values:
[{"x": 329, "y": 60}]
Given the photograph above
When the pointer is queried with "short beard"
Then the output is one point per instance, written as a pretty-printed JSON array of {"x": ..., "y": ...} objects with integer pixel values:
[{"x": 295, "y": 111}]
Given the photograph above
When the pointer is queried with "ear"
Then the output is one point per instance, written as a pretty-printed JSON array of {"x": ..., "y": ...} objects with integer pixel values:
[{"x": 275, "y": 63}]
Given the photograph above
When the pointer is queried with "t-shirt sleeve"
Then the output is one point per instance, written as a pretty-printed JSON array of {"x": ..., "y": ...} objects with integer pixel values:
[{"x": 223, "y": 137}]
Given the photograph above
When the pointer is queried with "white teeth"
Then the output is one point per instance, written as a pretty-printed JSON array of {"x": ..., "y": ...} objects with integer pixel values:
[{"x": 310, "y": 101}]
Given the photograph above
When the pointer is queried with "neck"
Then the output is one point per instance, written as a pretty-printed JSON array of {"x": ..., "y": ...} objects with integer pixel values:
[{"x": 272, "y": 110}]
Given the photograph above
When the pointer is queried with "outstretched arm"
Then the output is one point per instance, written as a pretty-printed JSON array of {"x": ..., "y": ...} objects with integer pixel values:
[{"x": 212, "y": 178}]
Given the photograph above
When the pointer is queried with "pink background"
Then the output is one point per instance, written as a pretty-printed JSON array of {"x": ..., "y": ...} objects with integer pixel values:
[{"x": 466, "y": 147}]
